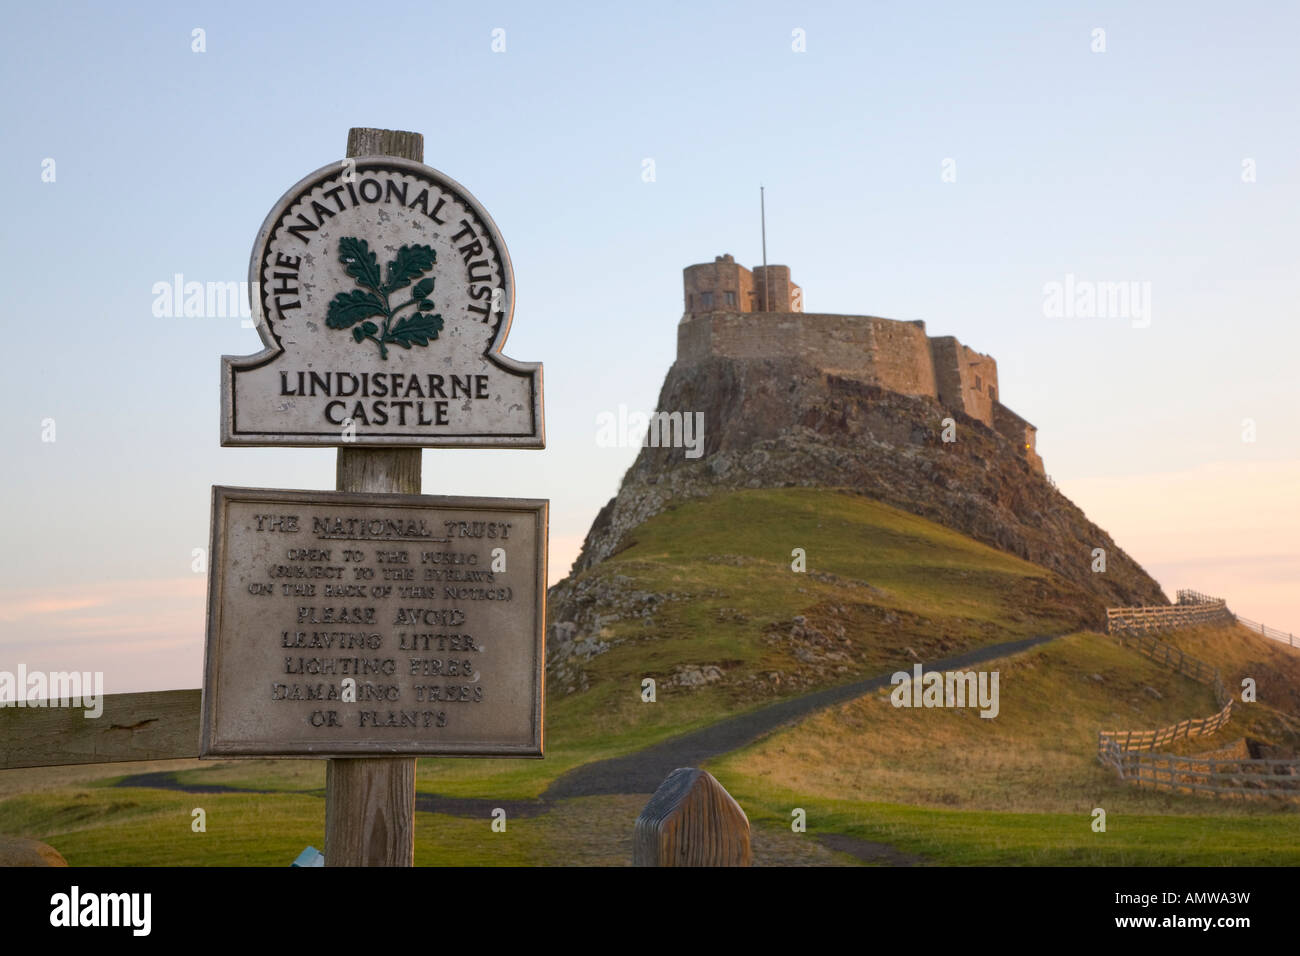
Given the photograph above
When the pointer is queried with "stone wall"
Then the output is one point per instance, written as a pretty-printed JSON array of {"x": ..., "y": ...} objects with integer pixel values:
[
  {"x": 966, "y": 379},
  {"x": 892, "y": 355},
  {"x": 885, "y": 352},
  {"x": 1018, "y": 431}
]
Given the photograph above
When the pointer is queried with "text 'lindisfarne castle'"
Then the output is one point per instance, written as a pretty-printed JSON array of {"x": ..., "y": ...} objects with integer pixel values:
[{"x": 737, "y": 313}]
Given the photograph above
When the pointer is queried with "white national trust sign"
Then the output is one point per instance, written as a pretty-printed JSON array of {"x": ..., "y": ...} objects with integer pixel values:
[{"x": 383, "y": 293}]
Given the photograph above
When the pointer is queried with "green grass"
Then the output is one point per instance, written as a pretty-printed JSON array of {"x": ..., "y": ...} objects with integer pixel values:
[
  {"x": 1038, "y": 753},
  {"x": 944, "y": 784},
  {"x": 996, "y": 838},
  {"x": 1021, "y": 788},
  {"x": 141, "y": 827},
  {"x": 926, "y": 568},
  {"x": 153, "y": 828}
]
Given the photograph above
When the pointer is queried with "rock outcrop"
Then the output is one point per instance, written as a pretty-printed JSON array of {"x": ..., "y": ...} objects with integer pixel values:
[{"x": 783, "y": 423}]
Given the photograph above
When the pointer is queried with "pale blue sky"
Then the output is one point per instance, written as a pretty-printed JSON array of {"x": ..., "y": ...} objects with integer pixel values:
[{"x": 1122, "y": 165}]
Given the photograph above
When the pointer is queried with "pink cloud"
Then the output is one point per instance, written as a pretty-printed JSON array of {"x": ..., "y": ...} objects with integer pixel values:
[{"x": 143, "y": 634}]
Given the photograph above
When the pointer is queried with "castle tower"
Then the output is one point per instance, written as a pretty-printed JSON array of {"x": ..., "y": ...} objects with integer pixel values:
[
  {"x": 893, "y": 355},
  {"x": 725, "y": 286},
  {"x": 718, "y": 286},
  {"x": 782, "y": 295}
]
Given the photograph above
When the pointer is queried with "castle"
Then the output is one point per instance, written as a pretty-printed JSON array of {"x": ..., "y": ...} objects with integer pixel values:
[{"x": 737, "y": 313}]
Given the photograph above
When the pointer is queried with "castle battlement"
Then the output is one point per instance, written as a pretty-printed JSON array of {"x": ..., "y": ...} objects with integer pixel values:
[{"x": 724, "y": 317}]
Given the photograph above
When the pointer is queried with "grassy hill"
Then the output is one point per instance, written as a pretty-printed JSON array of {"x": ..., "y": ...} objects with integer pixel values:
[
  {"x": 709, "y": 583},
  {"x": 703, "y": 600},
  {"x": 1020, "y": 788}
]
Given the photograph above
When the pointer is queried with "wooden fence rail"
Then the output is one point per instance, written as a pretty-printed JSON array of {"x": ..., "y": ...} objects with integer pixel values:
[
  {"x": 161, "y": 725},
  {"x": 1188, "y": 596},
  {"x": 1178, "y": 660},
  {"x": 1130, "y": 752},
  {"x": 1183, "y": 663},
  {"x": 1272, "y": 632},
  {"x": 1220, "y": 777},
  {"x": 1140, "y": 740},
  {"x": 1160, "y": 617},
  {"x": 1193, "y": 608}
]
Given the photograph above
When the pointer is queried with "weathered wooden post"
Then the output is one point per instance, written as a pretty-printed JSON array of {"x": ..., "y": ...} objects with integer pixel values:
[
  {"x": 691, "y": 821},
  {"x": 370, "y": 801},
  {"x": 373, "y": 624}
]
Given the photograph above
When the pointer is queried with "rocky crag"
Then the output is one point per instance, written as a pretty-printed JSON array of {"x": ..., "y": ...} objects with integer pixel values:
[{"x": 781, "y": 422}]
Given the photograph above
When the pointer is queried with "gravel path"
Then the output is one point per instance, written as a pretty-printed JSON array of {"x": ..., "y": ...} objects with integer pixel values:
[{"x": 643, "y": 771}]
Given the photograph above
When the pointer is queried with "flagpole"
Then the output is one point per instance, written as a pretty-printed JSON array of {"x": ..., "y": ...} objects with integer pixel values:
[{"x": 762, "y": 207}]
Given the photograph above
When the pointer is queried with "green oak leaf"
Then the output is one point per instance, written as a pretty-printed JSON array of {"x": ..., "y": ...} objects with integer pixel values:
[
  {"x": 415, "y": 329},
  {"x": 349, "y": 308},
  {"x": 422, "y": 289},
  {"x": 409, "y": 263},
  {"x": 360, "y": 261}
]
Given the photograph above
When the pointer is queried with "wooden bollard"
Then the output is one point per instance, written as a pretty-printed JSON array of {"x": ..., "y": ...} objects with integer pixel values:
[{"x": 691, "y": 821}]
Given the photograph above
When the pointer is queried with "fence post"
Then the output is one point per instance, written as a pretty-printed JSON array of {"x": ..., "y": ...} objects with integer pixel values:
[{"x": 691, "y": 821}]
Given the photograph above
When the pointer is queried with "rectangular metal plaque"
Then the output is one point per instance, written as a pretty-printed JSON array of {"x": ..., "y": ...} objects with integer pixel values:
[{"x": 346, "y": 625}]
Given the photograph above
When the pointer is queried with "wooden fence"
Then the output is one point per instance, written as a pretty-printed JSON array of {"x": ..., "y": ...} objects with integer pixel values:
[
  {"x": 1130, "y": 752},
  {"x": 1189, "y": 613},
  {"x": 1178, "y": 660},
  {"x": 1193, "y": 608},
  {"x": 1189, "y": 596},
  {"x": 1130, "y": 741},
  {"x": 1183, "y": 663},
  {"x": 158, "y": 725},
  {"x": 1219, "y": 777},
  {"x": 1271, "y": 632}
]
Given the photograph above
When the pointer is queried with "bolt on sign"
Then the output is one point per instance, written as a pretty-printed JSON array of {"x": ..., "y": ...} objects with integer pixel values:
[
  {"x": 345, "y": 624},
  {"x": 384, "y": 294}
]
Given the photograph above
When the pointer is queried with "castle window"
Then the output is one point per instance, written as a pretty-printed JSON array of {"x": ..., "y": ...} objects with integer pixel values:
[
  {"x": 979, "y": 385},
  {"x": 993, "y": 393},
  {"x": 731, "y": 298},
  {"x": 706, "y": 300}
]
